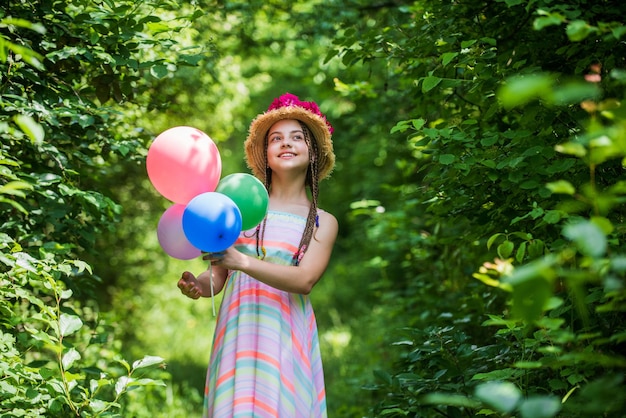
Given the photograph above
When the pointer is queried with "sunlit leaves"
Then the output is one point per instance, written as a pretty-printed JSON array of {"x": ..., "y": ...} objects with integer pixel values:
[
  {"x": 520, "y": 90},
  {"x": 578, "y": 30},
  {"x": 561, "y": 187},
  {"x": 31, "y": 128},
  {"x": 502, "y": 396},
  {"x": 69, "y": 324},
  {"x": 587, "y": 236}
]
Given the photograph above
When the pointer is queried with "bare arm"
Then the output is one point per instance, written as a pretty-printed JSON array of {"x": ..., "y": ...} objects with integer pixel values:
[{"x": 294, "y": 279}]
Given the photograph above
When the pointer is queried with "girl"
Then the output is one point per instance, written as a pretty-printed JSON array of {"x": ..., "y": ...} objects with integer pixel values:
[{"x": 265, "y": 360}]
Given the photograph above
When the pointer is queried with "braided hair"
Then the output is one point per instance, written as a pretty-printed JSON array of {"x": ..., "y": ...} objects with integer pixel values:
[{"x": 312, "y": 182}]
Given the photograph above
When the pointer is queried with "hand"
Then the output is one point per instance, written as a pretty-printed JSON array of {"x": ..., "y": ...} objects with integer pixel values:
[
  {"x": 189, "y": 286},
  {"x": 214, "y": 258},
  {"x": 230, "y": 259}
]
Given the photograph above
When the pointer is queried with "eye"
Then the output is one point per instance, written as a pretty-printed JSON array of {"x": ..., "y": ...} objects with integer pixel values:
[
  {"x": 298, "y": 137},
  {"x": 275, "y": 138}
]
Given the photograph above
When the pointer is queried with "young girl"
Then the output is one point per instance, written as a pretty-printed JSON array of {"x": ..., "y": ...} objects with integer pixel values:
[{"x": 265, "y": 360}]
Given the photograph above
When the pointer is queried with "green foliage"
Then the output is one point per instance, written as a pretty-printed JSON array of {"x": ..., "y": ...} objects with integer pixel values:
[
  {"x": 62, "y": 91},
  {"x": 514, "y": 150},
  {"x": 479, "y": 187}
]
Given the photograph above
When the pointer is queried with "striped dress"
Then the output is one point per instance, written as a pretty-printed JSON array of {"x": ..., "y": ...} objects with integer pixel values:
[{"x": 265, "y": 360}]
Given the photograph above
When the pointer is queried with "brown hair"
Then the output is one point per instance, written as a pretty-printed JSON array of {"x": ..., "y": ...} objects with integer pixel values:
[{"x": 312, "y": 182}]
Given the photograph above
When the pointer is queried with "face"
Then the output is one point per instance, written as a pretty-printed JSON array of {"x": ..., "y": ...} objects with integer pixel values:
[{"x": 287, "y": 148}]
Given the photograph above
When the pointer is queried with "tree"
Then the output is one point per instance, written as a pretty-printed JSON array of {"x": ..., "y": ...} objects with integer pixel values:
[
  {"x": 69, "y": 71},
  {"x": 502, "y": 121}
]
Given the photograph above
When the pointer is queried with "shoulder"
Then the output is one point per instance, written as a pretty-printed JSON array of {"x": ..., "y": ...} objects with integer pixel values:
[{"x": 327, "y": 222}]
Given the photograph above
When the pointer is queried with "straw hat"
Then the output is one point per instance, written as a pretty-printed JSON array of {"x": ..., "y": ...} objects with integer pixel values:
[{"x": 288, "y": 106}]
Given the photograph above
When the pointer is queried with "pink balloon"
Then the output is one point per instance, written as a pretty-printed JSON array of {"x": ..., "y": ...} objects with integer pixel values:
[
  {"x": 182, "y": 163},
  {"x": 171, "y": 235}
]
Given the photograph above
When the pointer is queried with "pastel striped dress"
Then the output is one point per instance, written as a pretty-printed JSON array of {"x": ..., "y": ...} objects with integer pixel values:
[{"x": 265, "y": 360}]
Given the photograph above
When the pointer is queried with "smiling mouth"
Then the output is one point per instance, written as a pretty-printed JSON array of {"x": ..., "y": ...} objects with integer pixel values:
[{"x": 287, "y": 155}]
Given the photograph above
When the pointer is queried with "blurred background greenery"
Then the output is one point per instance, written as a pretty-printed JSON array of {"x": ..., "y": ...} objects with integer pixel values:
[{"x": 479, "y": 189}]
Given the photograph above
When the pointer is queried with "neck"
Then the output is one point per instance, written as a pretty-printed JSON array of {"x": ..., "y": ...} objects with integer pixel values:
[{"x": 288, "y": 189}]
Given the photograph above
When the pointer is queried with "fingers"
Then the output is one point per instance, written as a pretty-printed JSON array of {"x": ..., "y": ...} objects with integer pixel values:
[
  {"x": 188, "y": 286},
  {"x": 214, "y": 258}
]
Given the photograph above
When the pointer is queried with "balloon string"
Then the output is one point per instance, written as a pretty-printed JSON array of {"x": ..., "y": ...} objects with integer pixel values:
[{"x": 212, "y": 293}]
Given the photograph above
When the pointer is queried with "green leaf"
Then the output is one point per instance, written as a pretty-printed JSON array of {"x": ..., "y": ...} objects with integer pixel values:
[
  {"x": 15, "y": 188},
  {"x": 449, "y": 399},
  {"x": 530, "y": 297},
  {"x": 147, "y": 361},
  {"x": 521, "y": 252},
  {"x": 446, "y": 159},
  {"x": 553, "y": 216},
  {"x": 492, "y": 238},
  {"x": 69, "y": 358},
  {"x": 561, "y": 187},
  {"x": 146, "y": 382},
  {"x": 121, "y": 384},
  {"x": 69, "y": 324},
  {"x": 520, "y": 90},
  {"x": 588, "y": 237},
  {"x": 571, "y": 148},
  {"x": 30, "y": 127},
  {"x": 549, "y": 20},
  {"x": 159, "y": 71},
  {"x": 502, "y": 396},
  {"x": 578, "y": 30},
  {"x": 574, "y": 92},
  {"x": 540, "y": 407},
  {"x": 505, "y": 249},
  {"x": 430, "y": 83},
  {"x": 605, "y": 225},
  {"x": 447, "y": 57}
]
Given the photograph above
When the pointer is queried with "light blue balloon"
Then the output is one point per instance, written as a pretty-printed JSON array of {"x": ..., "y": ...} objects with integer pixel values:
[{"x": 211, "y": 222}]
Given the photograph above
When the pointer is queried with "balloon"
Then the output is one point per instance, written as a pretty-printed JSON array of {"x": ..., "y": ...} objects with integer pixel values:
[
  {"x": 250, "y": 196},
  {"x": 212, "y": 222},
  {"x": 171, "y": 235},
  {"x": 182, "y": 163}
]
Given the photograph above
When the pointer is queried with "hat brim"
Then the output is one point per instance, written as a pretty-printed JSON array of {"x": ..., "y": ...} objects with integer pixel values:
[{"x": 255, "y": 143}]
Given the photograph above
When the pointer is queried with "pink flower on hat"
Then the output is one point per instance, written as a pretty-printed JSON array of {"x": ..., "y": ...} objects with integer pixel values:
[{"x": 289, "y": 99}]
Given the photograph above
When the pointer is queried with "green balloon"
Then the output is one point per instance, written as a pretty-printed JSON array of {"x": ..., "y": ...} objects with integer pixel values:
[{"x": 250, "y": 196}]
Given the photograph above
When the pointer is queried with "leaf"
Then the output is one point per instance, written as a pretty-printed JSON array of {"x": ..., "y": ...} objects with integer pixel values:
[
  {"x": 578, "y": 30},
  {"x": 530, "y": 298},
  {"x": 553, "y": 216},
  {"x": 588, "y": 237},
  {"x": 30, "y": 127},
  {"x": 446, "y": 159},
  {"x": 14, "y": 188},
  {"x": 540, "y": 407},
  {"x": 447, "y": 57},
  {"x": 561, "y": 187},
  {"x": 575, "y": 92},
  {"x": 502, "y": 396},
  {"x": 505, "y": 249},
  {"x": 571, "y": 148},
  {"x": 449, "y": 399},
  {"x": 159, "y": 71},
  {"x": 69, "y": 324},
  {"x": 549, "y": 20},
  {"x": 122, "y": 384},
  {"x": 519, "y": 90},
  {"x": 147, "y": 361},
  {"x": 492, "y": 238},
  {"x": 69, "y": 358},
  {"x": 146, "y": 382},
  {"x": 521, "y": 252},
  {"x": 430, "y": 83}
]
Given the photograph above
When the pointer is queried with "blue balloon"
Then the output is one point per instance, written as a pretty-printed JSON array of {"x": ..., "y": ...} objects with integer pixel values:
[{"x": 211, "y": 222}]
